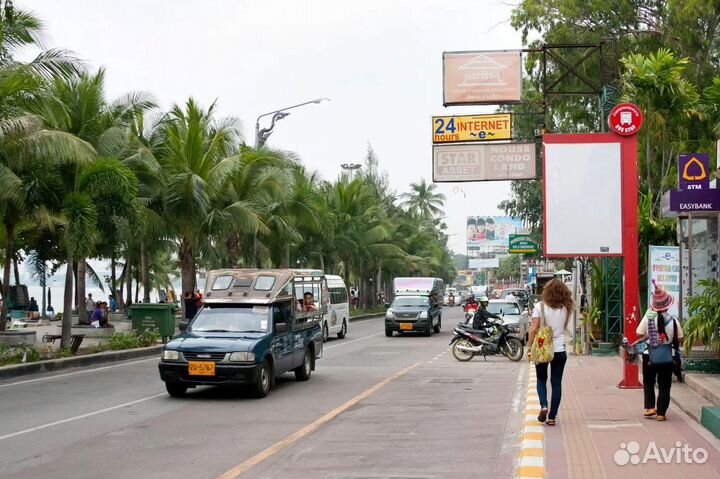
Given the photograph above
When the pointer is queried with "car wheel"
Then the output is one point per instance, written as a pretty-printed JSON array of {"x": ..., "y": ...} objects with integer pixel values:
[
  {"x": 343, "y": 330},
  {"x": 429, "y": 331},
  {"x": 263, "y": 381},
  {"x": 325, "y": 333},
  {"x": 439, "y": 325},
  {"x": 303, "y": 372},
  {"x": 176, "y": 390},
  {"x": 388, "y": 332}
]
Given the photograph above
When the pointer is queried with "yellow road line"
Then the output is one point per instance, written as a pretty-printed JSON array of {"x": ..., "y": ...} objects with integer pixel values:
[{"x": 248, "y": 464}]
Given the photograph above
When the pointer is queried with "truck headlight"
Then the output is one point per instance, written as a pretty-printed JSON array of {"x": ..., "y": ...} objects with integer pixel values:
[
  {"x": 242, "y": 357},
  {"x": 170, "y": 355},
  {"x": 389, "y": 314},
  {"x": 423, "y": 315}
]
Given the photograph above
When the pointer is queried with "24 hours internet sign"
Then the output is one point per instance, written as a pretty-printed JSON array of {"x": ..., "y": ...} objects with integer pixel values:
[{"x": 454, "y": 129}]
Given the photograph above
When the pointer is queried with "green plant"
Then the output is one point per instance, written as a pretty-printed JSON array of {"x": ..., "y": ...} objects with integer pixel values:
[
  {"x": 704, "y": 323},
  {"x": 18, "y": 354},
  {"x": 119, "y": 341},
  {"x": 592, "y": 318}
]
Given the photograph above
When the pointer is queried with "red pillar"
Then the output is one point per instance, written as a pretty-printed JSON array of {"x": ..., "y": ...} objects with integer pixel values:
[{"x": 631, "y": 253}]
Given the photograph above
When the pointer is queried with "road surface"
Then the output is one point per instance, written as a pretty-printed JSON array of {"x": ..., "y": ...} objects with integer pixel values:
[{"x": 376, "y": 407}]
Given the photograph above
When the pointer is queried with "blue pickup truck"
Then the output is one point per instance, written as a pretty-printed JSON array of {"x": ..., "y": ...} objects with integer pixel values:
[{"x": 250, "y": 330}]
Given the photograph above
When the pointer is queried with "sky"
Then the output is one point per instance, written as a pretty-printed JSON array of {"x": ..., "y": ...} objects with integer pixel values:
[{"x": 379, "y": 62}]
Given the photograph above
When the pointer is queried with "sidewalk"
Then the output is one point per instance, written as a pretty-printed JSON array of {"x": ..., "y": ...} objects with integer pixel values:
[{"x": 599, "y": 424}]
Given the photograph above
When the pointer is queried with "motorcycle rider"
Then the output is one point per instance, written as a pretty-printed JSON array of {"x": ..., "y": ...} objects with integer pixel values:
[
  {"x": 470, "y": 304},
  {"x": 482, "y": 315}
]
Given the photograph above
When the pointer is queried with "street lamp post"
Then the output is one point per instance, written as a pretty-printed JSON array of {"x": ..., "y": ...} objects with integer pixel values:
[
  {"x": 261, "y": 135},
  {"x": 351, "y": 167}
]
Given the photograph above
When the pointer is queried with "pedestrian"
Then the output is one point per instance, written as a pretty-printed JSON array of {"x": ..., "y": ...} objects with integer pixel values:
[
  {"x": 199, "y": 299},
  {"x": 89, "y": 307},
  {"x": 96, "y": 318},
  {"x": 660, "y": 332},
  {"x": 33, "y": 309},
  {"x": 553, "y": 310},
  {"x": 113, "y": 303}
]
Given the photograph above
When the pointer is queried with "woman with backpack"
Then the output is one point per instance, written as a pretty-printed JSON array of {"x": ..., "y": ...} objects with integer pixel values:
[{"x": 661, "y": 332}]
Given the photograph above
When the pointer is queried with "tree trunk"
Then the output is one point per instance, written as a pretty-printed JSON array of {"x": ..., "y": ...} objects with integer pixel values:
[
  {"x": 256, "y": 251},
  {"x": 364, "y": 292},
  {"x": 232, "y": 243},
  {"x": 187, "y": 268},
  {"x": 16, "y": 270},
  {"x": 67, "y": 305},
  {"x": 285, "y": 262},
  {"x": 121, "y": 288},
  {"x": 137, "y": 292},
  {"x": 81, "y": 293},
  {"x": 145, "y": 273},
  {"x": 75, "y": 276},
  {"x": 113, "y": 283},
  {"x": 9, "y": 253},
  {"x": 128, "y": 279},
  {"x": 322, "y": 261}
]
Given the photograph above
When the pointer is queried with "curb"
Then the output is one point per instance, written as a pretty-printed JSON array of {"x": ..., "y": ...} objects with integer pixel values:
[
  {"x": 77, "y": 361},
  {"x": 531, "y": 464}
]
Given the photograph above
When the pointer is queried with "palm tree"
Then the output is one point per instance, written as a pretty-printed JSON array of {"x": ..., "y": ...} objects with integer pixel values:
[
  {"x": 423, "y": 199},
  {"x": 199, "y": 156}
]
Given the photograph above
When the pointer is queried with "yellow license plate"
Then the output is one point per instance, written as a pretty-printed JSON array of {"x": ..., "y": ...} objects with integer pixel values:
[
  {"x": 201, "y": 368},
  {"x": 406, "y": 326}
]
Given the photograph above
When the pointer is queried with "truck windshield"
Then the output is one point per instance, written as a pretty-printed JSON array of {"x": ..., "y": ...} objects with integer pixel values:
[
  {"x": 246, "y": 319},
  {"x": 410, "y": 301}
]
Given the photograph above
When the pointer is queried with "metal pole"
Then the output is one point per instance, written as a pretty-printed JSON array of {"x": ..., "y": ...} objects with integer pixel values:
[
  {"x": 681, "y": 295},
  {"x": 690, "y": 255}
]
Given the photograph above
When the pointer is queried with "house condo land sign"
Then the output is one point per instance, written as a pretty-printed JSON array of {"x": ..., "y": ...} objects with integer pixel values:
[{"x": 483, "y": 162}]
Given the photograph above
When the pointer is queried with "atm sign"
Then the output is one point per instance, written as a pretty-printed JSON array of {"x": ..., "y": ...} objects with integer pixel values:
[{"x": 454, "y": 129}]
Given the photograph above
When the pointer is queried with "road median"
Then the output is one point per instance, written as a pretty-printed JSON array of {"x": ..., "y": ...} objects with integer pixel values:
[
  {"x": 50, "y": 365},
  {"x": 361, "y": 317}
]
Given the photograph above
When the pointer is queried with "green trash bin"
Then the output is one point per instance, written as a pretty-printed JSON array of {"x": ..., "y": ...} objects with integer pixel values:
[{"x": 157, "y": 316}]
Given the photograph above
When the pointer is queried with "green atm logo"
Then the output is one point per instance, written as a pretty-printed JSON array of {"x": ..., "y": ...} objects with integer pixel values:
[{"x": 523, "y": 244}]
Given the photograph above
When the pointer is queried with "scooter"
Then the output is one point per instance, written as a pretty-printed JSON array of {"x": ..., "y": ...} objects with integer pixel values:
[{"x": 468, "y": 343}]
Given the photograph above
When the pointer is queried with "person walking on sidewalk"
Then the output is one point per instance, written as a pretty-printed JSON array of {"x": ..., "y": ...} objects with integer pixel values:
[
  {"x": 554, "y": 309},
  {"x": 661, "y": 332}
]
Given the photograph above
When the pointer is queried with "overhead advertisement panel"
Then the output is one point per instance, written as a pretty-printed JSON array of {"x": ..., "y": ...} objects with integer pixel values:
[
  {"x": 482, "y": 77},
  {"x": 453, "y": 129},
  {"x": 483, "y": 162}
]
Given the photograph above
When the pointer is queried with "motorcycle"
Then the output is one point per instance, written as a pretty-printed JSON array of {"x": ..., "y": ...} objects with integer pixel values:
[{"x": 468, "y": 343}]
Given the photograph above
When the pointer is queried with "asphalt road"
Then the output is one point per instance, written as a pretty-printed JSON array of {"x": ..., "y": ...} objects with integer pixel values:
[{"x": 375, "y": 407}]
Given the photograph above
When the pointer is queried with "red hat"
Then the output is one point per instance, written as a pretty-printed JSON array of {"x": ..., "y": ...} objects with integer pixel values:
[{"x": 661, "y": 300}]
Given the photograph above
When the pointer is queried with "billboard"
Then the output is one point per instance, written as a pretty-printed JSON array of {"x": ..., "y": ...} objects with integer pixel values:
[
  {"x": 664, "y": 268},
  {"x": 452, "y": 129},
  {"x": 491, "y": 231},
  {"x": 483, "y": 162},
  {"x": 465, "y": 277},
  {"x": 582, "y": 184},
  {"x": 476, "y": 78},
  {"x": 484, "y": 263}
]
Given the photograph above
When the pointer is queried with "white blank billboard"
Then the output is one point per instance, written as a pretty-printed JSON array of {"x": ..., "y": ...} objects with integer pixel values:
[{"x": 583, "y": 199}]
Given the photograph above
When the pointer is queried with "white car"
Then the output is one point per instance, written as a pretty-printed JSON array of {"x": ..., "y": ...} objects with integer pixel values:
[{"x": 512, "y": 313}]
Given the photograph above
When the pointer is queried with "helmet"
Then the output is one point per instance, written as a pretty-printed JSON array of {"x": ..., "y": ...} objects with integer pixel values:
[
  {"x": 484, "y": 299},
  {"x": 472, "y": 296}
]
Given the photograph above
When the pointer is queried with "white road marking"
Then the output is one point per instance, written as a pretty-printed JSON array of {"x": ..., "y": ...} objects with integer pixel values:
[
  {"x": 350, "y": 342},
  {"x": 614, "y": 426},
  {"x": 82, "y": 416},
  {"x": 84, "y": 371}
]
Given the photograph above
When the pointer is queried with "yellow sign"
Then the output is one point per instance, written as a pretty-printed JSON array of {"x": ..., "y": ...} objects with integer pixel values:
[{"x": 452, "y": 129}]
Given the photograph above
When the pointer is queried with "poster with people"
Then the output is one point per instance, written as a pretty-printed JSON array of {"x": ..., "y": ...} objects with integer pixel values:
[{"x": 491, "y": 230}]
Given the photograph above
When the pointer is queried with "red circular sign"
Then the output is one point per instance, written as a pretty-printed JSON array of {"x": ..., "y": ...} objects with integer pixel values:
[{"x": 625, "y": 119}]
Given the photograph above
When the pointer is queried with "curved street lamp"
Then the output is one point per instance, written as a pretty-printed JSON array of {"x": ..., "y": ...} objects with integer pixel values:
[
  {"x": 351, "y": 167},
  {"x": 261, "y": 136}
]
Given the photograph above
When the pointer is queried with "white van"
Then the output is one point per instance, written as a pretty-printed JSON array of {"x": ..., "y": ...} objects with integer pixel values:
[{"x": 338, "y": 317}]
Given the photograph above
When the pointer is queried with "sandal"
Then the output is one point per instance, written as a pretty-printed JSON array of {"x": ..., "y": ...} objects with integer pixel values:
[
  {"x": 550, "y": 422},
  {"x": 543, "y": 414}
]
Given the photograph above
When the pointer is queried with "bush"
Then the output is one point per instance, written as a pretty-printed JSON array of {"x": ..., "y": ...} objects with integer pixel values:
[
  {"x": 18, "y": 354},
  {"x": 120, "y": 341}
]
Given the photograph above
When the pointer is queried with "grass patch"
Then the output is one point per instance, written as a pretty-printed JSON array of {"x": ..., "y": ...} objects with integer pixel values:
[{"x": 360, "y": 312}]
